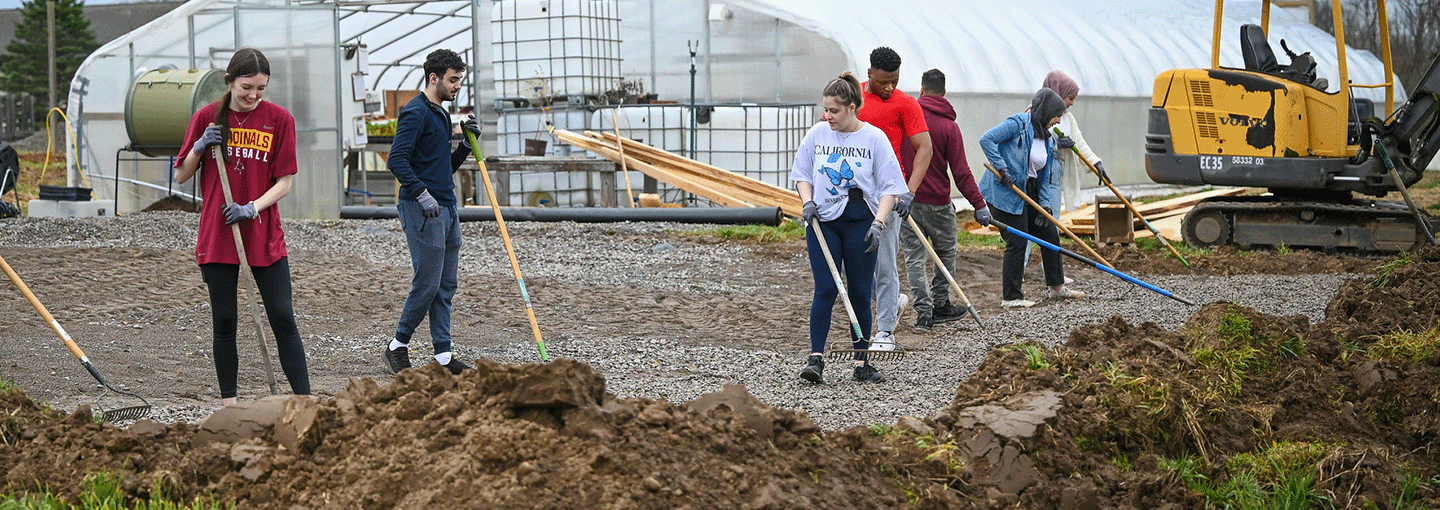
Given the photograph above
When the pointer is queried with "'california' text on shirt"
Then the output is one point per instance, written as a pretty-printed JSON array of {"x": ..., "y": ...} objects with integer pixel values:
[{"x": 850, "y": 152}]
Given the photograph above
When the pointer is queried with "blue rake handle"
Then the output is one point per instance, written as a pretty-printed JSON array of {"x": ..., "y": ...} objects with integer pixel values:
[{"x": 1003, "y": 227}]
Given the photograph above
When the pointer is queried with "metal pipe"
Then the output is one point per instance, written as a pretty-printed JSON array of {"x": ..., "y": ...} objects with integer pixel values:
[{"x": 718, "y": 215}]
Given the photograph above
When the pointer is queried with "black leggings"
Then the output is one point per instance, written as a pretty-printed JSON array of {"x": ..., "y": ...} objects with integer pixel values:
[{"x": 274, "y": 284}]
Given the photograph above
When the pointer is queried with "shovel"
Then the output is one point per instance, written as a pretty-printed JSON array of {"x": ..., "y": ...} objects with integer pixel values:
[
  {"x": 865, "y": 354},
  {"x": 117, "y": 414}
]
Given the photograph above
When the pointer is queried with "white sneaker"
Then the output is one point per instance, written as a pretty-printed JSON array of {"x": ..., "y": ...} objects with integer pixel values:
[
  {"x": 1017, "y": 303},
  {"x": 1064, "y": 293},
  {"x": 904, "y": 301},
  {"x": 883, "y": 341}
]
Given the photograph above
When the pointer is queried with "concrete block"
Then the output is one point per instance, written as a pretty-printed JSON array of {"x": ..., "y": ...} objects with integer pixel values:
[{"x": 65, "y": 209}]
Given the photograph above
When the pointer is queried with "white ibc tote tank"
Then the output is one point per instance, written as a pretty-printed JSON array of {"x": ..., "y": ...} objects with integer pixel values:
[{"x": 555, "y": 48}]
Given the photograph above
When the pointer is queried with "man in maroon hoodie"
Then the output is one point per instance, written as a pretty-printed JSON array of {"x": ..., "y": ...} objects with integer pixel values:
[{"x": 933, "y": 211}]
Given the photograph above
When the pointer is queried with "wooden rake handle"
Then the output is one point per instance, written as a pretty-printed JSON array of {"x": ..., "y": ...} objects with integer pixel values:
[
  {"x": 1052, "y": 219},
  {"x": 1128, "y": 205},
  {"x": 246, "y": 275}
]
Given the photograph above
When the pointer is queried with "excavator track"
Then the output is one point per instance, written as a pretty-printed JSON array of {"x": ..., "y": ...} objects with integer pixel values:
[{"x": 1364, "y": 227}]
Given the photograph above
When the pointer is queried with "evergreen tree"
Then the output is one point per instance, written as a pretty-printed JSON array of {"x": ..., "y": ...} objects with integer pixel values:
[{"x": 24, "y": 70}]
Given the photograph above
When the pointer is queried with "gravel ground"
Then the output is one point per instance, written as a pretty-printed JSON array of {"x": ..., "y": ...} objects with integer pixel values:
[{"x": 695, "y": 315}]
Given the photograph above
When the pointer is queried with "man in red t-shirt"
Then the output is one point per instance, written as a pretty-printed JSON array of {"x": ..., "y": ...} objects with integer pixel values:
[{"x": 900, "y": 117}]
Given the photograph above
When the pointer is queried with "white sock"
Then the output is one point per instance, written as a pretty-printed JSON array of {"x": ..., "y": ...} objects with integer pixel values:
[
  {"x": 396, "y": 344},
  {"x": 443, "y": 357}
]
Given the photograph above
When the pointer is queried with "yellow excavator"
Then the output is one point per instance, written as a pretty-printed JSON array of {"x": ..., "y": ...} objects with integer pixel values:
[{"x": 1311, "y": 144}]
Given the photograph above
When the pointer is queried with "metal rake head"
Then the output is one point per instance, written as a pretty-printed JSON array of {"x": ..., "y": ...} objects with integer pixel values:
[
  {"x": 134, "y": 412},
  {"x": 836, "y": 355}
]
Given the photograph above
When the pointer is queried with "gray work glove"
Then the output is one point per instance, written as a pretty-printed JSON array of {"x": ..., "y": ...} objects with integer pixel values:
[
  {"x": 903, "y": 202},
  {"x": 428, "y": 205},
  {"x": 209, "y": 138},
  {"x": 811, "y": 211},
  {"x": 1064, "y": 142},
  {"x": 982, "y": 216},
  {"x": 872, "y": 238},
  {"x": 1103, "y": 177},
  {"x": 469, "y": 125},
  {"x": 237, "y": 212}
]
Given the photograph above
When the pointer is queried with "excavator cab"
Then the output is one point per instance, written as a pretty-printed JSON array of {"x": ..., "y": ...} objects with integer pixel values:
[{"x": 1280, "y": 127}]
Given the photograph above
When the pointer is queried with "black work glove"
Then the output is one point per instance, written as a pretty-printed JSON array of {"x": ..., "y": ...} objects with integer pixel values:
[
  {"x": 903, "y": 203},
  {"x": 237, "y": 212},
  {"x": 1103, "y": 177},
  {"x": 811, "y": 211},
  {"x": 872, "y": 238},
  {"x": 1064, "y": 142},
  {"x": 428, "y": 205},
  {"x": 1005, "y": 179},
  {"x": 469, "y": 125}
]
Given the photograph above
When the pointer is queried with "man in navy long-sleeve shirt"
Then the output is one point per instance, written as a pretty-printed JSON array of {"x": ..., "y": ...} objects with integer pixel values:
[{"x": 421, "y": 159}]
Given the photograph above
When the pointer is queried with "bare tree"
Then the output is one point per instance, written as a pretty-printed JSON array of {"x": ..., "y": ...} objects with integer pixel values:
[{"x": 1414, "y": 32}]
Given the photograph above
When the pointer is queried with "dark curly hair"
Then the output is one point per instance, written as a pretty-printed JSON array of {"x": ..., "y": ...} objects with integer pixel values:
[
  {"x": 440, "y": 61},
  {"x": 885, "y": 59}
]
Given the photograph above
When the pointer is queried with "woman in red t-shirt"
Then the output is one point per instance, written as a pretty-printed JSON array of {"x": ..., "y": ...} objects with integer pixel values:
[{"x": 258, "y": 141}]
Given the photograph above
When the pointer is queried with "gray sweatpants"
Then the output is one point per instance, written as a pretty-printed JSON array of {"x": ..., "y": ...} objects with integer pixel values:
[
  {"x": 887, "y": 277},
  {"x": 938, "y": 223}
]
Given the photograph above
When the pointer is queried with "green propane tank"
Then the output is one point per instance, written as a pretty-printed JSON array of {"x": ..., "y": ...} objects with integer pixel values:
[{"x": 162, "y": 101}]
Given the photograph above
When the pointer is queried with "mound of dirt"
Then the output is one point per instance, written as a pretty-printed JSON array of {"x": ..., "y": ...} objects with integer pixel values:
[
  {"x": 172, "y": 203},
  {"x": 1121, "y": 416}
]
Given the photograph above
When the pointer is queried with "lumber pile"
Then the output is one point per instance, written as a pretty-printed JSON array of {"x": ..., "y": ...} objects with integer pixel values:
[
  {"x": 709, "y": 182},
  {"x": 1164, "y": 215}
]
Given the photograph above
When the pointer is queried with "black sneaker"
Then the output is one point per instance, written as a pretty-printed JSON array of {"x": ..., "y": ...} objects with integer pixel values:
[
  {"x": 456, "y": 366},
  {"x": 868, "y": 373},
  {"x": 924, "y": 321},
  {"x": 948, "y": 313},
  {"x": 397, "y": 359},
  {"x": 813, "y": 369}
]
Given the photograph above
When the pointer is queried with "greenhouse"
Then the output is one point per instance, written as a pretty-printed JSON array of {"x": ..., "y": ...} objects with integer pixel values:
[{"x": 754, "y": 77}]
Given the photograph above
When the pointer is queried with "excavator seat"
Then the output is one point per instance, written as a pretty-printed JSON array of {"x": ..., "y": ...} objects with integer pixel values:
[{"x": 1255, "y": 49}]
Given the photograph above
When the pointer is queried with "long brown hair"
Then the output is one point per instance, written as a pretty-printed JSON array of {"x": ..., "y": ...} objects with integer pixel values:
[
  {"x": 246, "y": 62},
  {"x": 846, "y": 89}
]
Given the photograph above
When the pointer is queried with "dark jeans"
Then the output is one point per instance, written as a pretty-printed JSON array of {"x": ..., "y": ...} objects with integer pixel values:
[
  {"x": 846, "y": 238},
  {"x": 435, "y": 257},
  {"x": 1013, "y": 268},
  {"x": 273, "y": 282}
]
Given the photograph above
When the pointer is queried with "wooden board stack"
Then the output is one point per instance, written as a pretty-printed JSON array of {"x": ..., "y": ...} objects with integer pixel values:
[{"x": 709, "y": 182}]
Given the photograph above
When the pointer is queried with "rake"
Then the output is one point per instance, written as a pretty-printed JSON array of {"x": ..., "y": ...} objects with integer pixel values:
[
  {"x": 940, "y": 266},
  {"x": 120, "y": 413},
  {"x": 895, "y": 353}
]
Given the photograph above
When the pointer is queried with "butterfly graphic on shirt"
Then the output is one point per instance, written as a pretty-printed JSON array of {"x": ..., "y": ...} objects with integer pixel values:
[{"x": 842, "y": 177}]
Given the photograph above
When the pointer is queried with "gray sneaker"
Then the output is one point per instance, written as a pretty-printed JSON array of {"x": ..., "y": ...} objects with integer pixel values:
[
  {"x": 868, "y": 373},
  {"x": 1064, "y": 293},
  {"x": 814, "y": 366}
]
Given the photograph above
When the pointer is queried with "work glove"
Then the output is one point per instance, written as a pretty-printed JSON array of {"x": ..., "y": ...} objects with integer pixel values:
[
  {"x": 982, "y": 216},
  {"x": 237, "y": 212},
  {"x": 1005, "y": 179},
  {"x": 1064, "y": 143},
  {"x": 872, "y": 238},
  {"x": 903, "y": 202},
  {"x": 209, "y": 138},
  {"x": 469, "y": 125},
  {"x": 428, "y": 205},
  {"x": 1103, "y": 177},
  {"x": 811, "y": 211}
]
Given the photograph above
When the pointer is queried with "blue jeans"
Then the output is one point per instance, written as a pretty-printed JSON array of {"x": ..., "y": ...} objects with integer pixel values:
[
  {"x": 846, "y": 238},
  {"x": 435, "y": 257}
]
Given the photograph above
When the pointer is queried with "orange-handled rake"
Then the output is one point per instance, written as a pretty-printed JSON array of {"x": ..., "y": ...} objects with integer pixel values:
[{"x": 120, "y": 413}]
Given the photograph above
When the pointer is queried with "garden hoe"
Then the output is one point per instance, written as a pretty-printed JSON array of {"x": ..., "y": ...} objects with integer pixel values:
[
  {"x": 120, "y": 413},
  {"x": 895, "y": 353},
  {"x": 245, "y": 275},
  {"x": 940, "y": 266}
]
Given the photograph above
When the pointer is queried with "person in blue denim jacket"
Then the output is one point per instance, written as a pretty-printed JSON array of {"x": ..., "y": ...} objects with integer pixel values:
[{"x": 1023, "y": 150}]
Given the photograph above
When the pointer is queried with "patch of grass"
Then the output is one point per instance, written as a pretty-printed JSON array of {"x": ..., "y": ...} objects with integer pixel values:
[
  {"x": 5, "y": 385},
  {"x": 1122, "y": 461},
  {"x": 1226, "y": 369},
  {"x": 1235, "y": 327},
  {"x": 1034, "y": 356},
  {"x": 1272, "y": 463},
  {"x": 1153, "y": 244},
  {"x": 1410, "y": 490},
  {"x": 883, "y": 430},
  {"x": 947, "y": 454},
  {"x": 1086, "y": 444},
  {"x": 967, "y": 240},
  {"x": 105, "y": 491},
  {"x": 1283, "y": 249},
  {"x": 1387, "y": 270},
  {"x": 1153, "y": 394},
  {"x": 787, "y": 231},
  {"x": 1294, "y": 346},
  {"x": 1406, "y": 345}
]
